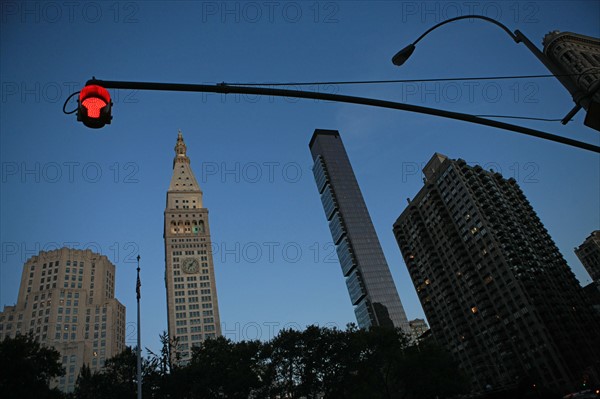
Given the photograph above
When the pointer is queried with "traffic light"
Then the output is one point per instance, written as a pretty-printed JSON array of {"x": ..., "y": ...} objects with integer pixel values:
[{"x": 94, "y": 106}]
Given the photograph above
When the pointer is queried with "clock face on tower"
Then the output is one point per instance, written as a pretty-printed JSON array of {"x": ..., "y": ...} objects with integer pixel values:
[{"x": 190, "y": 265}]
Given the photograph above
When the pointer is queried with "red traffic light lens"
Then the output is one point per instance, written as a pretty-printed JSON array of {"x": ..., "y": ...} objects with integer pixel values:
[
  {"x": 94, "y": 97},
  {"x": 93, "y": 106}
]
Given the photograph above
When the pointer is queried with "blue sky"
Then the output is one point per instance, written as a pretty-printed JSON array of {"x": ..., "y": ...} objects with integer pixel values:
[{"x": 65, "y": 184}]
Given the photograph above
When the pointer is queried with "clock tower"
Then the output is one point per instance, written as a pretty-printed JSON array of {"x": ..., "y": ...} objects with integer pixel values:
[{"x": 192, "y": 306}]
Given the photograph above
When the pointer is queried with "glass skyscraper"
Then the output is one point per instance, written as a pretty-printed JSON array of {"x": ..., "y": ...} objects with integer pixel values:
[{"x": 370, "y": 285}]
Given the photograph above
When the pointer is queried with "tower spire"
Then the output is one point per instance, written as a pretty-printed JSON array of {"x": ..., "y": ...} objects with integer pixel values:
[
  {"x": 183, "y": 178},
  {"x": 180, "y": 150}
]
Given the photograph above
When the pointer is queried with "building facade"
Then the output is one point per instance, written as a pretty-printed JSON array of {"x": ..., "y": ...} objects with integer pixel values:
[
  {"x": 417, "y": 327},
  {"x": 192, "y": 306},
  {"x": 370, "y": 285},
  {"x": 578, "y": 55},
  {"x": 495, "y": 289},
  {"x": 592, "y": 291},
  {"x": 67, "y": 301},
  {"x": 589, "y": 255}
]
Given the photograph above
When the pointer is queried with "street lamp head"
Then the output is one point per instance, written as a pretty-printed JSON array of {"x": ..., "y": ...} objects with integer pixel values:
[{"x": 402, "y": 55}]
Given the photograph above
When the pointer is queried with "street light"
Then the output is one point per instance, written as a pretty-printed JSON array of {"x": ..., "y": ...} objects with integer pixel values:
[
  {"x": 579, "y": 96},
  {"x": 403, "y": 55}
]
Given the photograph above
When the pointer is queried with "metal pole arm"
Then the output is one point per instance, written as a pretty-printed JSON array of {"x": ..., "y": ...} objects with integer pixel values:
[
  {"x": 497, "y": 23},
  {"x": 263, "y": 91},
  {"x": 579, "y": 96},
  {"x": 519, "y": 37}
]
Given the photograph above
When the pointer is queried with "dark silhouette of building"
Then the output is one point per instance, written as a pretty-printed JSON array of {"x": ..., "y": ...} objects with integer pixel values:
[
  {"x": 368, "y": 278},
  {"x": 495, "y": 289},
  {"x": 592, "y": 291},
  {"x": 589, "y": 255},
  {"x": 578, "y": 55}
]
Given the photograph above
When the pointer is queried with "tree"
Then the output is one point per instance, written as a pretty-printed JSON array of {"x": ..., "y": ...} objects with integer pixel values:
[
  {"x": 318, "y": 362},
  {"x": 357, "y": 363},
  {"x": 117, "y": 379},
  {"x": 221, "y": 368},
  {"x": 158, "y": 370},
  {"x": 429, "y": 372},
  {"x": 286, "y": 357},
  {"x": 89, "y": 385},
  {"x": 374, "y": 358},
  {"x": 26, "y": 368}
]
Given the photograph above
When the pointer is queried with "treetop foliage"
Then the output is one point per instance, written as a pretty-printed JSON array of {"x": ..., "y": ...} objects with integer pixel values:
[{"x": 315, "y": 363}]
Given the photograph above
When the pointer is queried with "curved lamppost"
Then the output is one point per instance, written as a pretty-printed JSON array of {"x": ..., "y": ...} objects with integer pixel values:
[{"x": 578, "y": 95}]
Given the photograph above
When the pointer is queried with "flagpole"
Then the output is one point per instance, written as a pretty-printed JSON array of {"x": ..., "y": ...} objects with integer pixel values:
[{"x": 138, "y": 287}]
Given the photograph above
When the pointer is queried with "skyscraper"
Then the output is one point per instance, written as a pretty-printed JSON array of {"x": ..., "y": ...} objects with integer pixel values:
[
  {"x": 192, "y": 306},
  {"x": 67, "y": 301},
  {"x": 589, "y": 255},
  {"x": 495, "y": 289},
  {"x": 368, "y": 278}
]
